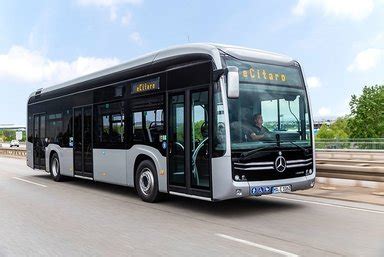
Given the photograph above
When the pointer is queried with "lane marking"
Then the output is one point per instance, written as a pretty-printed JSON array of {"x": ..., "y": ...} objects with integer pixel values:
[
  {"x": 264, "y": 247},
  {"x": 30, "y": 182},
  {"x": 328, "y": 204}
]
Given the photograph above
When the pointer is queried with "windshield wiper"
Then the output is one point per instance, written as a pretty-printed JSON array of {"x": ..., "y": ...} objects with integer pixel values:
[
  {"x": 305, "y": 150},
  {"x": 249, "y": 154}
]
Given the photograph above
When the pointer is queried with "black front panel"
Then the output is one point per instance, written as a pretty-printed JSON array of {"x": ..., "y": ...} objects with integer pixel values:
[{"x": 263, "y": 165}]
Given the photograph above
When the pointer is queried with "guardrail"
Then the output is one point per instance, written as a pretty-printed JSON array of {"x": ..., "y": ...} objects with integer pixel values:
[
  {"x": 351, "y": 143},
  {"x": 13, "y": 152},
  {"x": 351, "y": 164},
  {"x": 345, "y": 164}
]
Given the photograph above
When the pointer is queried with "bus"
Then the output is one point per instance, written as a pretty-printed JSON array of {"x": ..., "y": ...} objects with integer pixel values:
[{"x": 206, "y": 121}]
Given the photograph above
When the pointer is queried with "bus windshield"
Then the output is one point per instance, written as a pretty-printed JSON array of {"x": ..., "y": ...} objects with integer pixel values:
[{"x": 272, "y": 108}]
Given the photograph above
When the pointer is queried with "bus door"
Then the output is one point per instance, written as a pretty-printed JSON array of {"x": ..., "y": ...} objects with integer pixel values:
[
  {"x": 189, "y": 144},
  {"x": 82, "y": 141},
  {"x": 39, "y": 141}
]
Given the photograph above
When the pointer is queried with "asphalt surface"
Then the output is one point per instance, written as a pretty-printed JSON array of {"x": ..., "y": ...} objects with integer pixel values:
[{"x": 40, "y": 217}]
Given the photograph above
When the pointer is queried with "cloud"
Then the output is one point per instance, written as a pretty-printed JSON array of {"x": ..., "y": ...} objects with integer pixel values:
[
  {"x": 136, "y": 38},
  {"x": 23, "y": 65},
  {"x": 367, "y": 59},
  {"x": 324, "y": 111},
  {"x": 378, "y": 39},
  {"x": 113, "y": 13},
  {"x": 114, "y": 6},
  {"x": 126, "y": 19},
  {"x": 107, "y": 3},
  {"x": 313, "y": 82},
  {"x": 342, "y": 9}
]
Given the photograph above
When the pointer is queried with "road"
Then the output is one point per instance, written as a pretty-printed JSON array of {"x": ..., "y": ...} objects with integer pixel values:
[{"x": 39, "y": 217}]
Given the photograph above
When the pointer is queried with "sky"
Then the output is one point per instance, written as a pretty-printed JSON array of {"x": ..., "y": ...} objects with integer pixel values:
[{"x": 339, "y": 43}]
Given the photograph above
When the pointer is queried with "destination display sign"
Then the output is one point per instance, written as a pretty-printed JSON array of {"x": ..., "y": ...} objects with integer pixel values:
[
  {"x": 145, "y": 85},
  {"x": 267, "y": 73}
]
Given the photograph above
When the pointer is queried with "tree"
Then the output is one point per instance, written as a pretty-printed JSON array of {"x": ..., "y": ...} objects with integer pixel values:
[
  {"x": 337, "y": 130},
  {"x": 367, "y": 113},
  {"x": 9, "y": 135},
  {"x": 325, "y": 132},
  {"x": 197, "y": 130}
]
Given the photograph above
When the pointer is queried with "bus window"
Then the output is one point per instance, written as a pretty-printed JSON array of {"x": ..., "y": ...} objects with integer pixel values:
[
  {"x": 269, "y": 113},
  {"x": 110, "y": 119},
  {"x": 199, "y": 139},
  {"x": 67, "y": 128},
  {"x": 138, "y": 132},
  {"x": 54, "y": 128},
  {"x": 154, "y": 125},
  {"x": 289, "y": 115}
]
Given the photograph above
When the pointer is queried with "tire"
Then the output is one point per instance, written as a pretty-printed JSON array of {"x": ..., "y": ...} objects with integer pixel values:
[
  {"x": 54, "y": 168},
  {"x": 146, "y": 182}
]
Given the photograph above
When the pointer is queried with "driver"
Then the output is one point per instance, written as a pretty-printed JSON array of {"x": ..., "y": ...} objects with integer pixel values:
[
  {"x": 243, "y": 130},
  {"x": 260, "y": 132}
]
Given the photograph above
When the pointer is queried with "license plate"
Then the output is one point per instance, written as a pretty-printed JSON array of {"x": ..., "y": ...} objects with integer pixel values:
[{"x": 281, "y": 189}]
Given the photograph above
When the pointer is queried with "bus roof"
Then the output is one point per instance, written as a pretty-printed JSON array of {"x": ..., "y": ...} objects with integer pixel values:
[{"x": 211, "y": 49}]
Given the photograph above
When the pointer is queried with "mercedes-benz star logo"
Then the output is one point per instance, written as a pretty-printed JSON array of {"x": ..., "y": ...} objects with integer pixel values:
[{"x": 280, "y": 164}]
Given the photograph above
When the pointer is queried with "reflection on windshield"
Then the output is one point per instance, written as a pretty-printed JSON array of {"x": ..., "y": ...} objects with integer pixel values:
[{"x": 262, "y": 111}]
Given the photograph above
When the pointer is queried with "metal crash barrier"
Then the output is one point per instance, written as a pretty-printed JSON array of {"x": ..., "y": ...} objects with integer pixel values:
[
  {"x": 13, "y": 152},
  {"x": 351, "y": 164}
]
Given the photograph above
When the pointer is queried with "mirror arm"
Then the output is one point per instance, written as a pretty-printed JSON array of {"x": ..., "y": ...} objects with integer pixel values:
[{"x": 218, "y": 73}]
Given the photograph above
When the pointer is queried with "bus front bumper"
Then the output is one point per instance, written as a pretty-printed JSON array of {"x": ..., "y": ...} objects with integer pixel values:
[{"x": 258, "y": 188}]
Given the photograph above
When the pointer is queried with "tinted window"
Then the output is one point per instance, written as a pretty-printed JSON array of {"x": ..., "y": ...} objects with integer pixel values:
[
  {"x": 154, "y": 121},
  {"x": 30, "y": 128},
  {"x": 67, "y": 128},
  {"x": 54, "y": 128},
  {"x": 109, "y": 125},
  {"x": 148, "y": 126},
  {"x": 137, "y": 124}
]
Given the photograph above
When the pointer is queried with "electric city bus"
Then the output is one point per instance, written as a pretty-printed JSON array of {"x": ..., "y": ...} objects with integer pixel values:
[{"x": 206, "y": 121}]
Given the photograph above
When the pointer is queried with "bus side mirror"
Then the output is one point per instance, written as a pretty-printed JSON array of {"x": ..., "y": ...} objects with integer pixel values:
[{"x": 233, "y": 82}]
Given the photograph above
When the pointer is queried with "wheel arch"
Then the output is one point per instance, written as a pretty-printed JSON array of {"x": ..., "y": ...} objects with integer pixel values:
[
  {"x": 139, "y": 159},
  {"x": 137, "y": 154},
  {"x": 49, "y": 151}
]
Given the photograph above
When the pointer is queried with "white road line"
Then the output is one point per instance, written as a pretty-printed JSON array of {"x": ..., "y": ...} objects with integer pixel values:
[
  {"x": 328, "y": 204},
  {"x": 30, "y": 182},
  {"x": 264, "y": 247}
]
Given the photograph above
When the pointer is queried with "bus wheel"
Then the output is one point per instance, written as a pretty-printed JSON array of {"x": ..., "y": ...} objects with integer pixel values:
[
  {"x": 146, "y": 182},
  {"x": 55, "y": 168}
]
